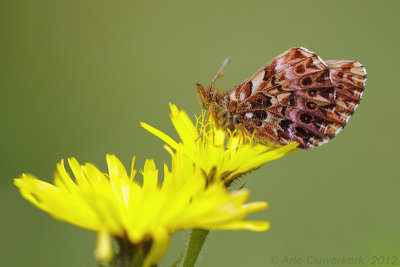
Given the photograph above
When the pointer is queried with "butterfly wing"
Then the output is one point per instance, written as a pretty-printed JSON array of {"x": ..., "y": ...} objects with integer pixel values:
[
  {"x": 349, "y": 79},
  {"x": 293, "y": 98},
  {"x": 267, "y": 72}
]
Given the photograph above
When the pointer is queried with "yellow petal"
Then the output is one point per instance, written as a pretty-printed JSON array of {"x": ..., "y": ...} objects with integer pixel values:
[
  {"x": 77, "y": 171},
  {"x": 159, "y": 247},
  {"x": 257, "y": 226},
  {"x": 133, "y": 171},
  {"x": 150, "y": 176},
  {"x": 63, "y": 179},
  {"x": 37, "y": 192},
  {"x": 104, "y": 250},
  {"x": 115, "y": 167},
  {"x": 160, "y": 135},
  {"x": 183, "y": 125},
  {"x": 255, "y": 206}
]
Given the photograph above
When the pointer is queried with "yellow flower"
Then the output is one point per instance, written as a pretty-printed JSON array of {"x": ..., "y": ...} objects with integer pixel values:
[
  {"x": 207, "y": 148},
  {"x": 116, "y": 205}
]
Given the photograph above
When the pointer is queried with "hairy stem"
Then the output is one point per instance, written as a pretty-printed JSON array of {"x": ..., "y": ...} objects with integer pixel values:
[{"x": 197, "y": 238}]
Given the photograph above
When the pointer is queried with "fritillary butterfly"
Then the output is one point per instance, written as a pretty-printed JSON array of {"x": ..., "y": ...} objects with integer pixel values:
[{"x": 295, "y": 97}]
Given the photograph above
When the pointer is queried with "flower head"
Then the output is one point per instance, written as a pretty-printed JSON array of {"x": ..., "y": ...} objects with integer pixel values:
[
  {"x": 206, "y": 146},
  {"x": 116, "y": 205}
]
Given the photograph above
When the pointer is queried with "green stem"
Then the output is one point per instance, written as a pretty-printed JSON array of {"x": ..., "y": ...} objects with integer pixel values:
[{"x": 197, "y": 238}]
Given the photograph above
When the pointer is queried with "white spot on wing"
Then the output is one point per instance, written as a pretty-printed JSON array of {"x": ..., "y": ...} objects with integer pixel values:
[
  {"x": 325, "y": 65},
  {"x": 232, "y": 95},
  {"x": 323, "y": 142},
  {"x": 249, "y": 115},
  {"x": 257, "y": 81},
  {"x": 279, "y": 63},
  {"x": 305, "y": 49},
  {"x": 241, "y": 96}
]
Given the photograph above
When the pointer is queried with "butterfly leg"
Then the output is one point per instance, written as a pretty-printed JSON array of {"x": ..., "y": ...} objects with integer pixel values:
[
  {"x": 240, "y": 128},
  {"x": 207, "y": 120}
]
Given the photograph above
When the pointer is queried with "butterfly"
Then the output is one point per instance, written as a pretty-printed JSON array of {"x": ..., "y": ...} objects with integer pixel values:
[{"x": 295, "y": 97}]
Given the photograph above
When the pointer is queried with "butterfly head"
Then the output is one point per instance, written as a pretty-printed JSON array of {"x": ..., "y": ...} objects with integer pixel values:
[{"x": 206, "y": 95}]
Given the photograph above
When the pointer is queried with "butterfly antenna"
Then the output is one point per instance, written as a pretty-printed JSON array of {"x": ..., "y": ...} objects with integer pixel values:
[{"x": 220, "y": 73}]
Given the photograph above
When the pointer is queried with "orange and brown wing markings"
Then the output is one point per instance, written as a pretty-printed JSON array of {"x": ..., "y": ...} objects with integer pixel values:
[
  {"x": 276, "y": 66},
  {"x": 297, "y": 97},
  {"x": 320, "y": 126},
  {"x": 349, "y": 78},
  {"x": 266, "y": 128},
  {"x": 292, "y": 75},
  {"x": 285, "y": 60},
  {"x": 348, "y": 90},
  {"x": 347, "y": 66},
  {"x": 299, "y": 71}
]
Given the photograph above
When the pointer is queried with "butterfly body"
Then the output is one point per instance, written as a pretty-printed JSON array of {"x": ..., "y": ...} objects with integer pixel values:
[{"x": 294, "y": 97}]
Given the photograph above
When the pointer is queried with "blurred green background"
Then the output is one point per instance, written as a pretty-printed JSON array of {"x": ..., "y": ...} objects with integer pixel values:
[{"x": 76, "y": 77}]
